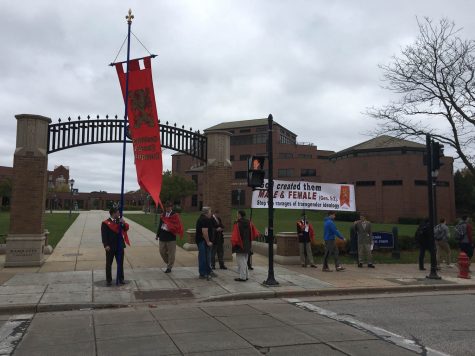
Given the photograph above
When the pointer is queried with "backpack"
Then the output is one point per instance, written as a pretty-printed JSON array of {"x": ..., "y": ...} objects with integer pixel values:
[
  {"x": 460, "y": 231},
  {"x": 439, "y": 232}
]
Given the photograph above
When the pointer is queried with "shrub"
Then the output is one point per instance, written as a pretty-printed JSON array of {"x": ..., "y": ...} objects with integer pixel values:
[{"x": 410, "y": 221}]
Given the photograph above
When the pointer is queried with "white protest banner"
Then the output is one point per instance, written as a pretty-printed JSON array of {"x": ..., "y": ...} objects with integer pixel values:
[{"x": 307, "y": 195}]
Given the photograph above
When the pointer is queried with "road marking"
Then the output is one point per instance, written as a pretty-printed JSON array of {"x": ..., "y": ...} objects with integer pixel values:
[
  {"x": 377, "y": 331},
  {"x": 12, "y": 331}
]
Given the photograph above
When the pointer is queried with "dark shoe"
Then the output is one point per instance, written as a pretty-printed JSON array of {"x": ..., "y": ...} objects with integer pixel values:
[
  {"x": 213, "y": 267},
  {"x": 202, "y": 277},
  {"x": 239, "y": 280},
  {"x": 370, "y": 265},
  {"x": 360, "y": 265},
  {"x": 340, "y": 268},
  {"x": 304, "y": 266},
  {"x": 250, "y": 267},
  {"x": 422, "y": 269},
  {"x": 326, "y": 269},
  {"x": 168, "y": 270},
  {"x": 123, "y": 282},
  {"x": 313, "y": 266},
  {"x": 223, "y": 267},
  {"x": 108, "y": 284}
]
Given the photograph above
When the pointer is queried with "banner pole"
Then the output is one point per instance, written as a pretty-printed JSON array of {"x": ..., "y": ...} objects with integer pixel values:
[{"x": 120, "y": 248}]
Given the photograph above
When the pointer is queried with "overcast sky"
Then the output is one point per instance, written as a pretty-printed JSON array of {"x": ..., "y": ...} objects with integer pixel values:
[{"x": 312, "y": 64}]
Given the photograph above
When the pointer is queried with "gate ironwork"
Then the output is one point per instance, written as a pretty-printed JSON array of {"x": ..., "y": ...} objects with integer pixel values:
[{"x": 69, "y": 134}]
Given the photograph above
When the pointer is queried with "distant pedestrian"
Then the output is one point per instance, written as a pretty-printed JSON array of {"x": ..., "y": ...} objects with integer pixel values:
[
  {"x": 114, "y": 244},
  {"x": 329, "y": 233},
  {"x": 463, "y": 235},
  {"x": 203, "y": 230},
  {"x": 218, "y": 241},
  {"x": 305, "y": 235},
  {"x": 170, "y": 225},
  {"x": 441, "y": 236},
  {"x": 425, "y": 241},
  {"x": 365, "y": 241},
  {"x": 241, "y": 244}
]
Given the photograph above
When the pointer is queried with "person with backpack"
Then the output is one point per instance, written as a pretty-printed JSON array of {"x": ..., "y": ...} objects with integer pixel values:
[
  {"x": 463, "y": 234},
  {"x": 441, "y": 235},
  {"x": 423, "y": 238}
]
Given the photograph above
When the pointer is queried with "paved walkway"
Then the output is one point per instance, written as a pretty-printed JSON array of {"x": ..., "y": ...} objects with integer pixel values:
[{"x": 73, "y": 276}]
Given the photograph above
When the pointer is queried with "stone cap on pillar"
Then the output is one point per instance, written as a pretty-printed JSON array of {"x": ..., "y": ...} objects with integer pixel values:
[
  {"x": 219, "y": 148},
  {"x": 32, "y": 135}
]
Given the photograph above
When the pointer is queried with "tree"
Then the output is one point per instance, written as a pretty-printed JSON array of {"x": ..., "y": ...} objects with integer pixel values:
[
  {"x": 175, "y": 187},
  {"x": 464, "y": 183},
  {"x": 5, "y": 189},
  {"x": 434, "y": 80}
]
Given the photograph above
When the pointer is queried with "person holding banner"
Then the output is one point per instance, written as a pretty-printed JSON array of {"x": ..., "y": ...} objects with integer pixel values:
[
  {"x": 329, "y": 233},
  {"x": 169, "y": 226},
  {"x": 365, "y": 239},
  {"x": 114, "y": 245},
  {"x": 306, "y": 236}
]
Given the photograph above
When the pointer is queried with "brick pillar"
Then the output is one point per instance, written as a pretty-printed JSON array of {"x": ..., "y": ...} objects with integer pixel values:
[
  {"x": 217, "y": 182},
  {"x": 26, "y": 237}
]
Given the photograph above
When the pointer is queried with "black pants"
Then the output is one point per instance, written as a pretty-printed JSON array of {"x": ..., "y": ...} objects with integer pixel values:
[
  {"x": 119, "y": 259},
  {"x": 422, "y": 251},
  {"x": 217, "y": 248},
  {"x": 467, "y": 248}
]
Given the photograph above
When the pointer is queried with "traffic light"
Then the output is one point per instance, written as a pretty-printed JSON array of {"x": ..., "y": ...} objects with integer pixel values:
[
  {"x": 437, "y": 152},
  {"x": 255, "y": 171}
]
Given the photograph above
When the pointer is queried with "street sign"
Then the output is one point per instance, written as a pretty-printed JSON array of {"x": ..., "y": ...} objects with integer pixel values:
[{"x": 383, "y": 240}]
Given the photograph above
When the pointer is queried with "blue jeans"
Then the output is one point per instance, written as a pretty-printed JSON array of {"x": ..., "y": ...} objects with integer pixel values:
[{"x": 204, "y": 259}]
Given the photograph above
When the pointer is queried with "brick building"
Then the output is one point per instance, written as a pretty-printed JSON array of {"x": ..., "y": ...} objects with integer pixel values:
[{"x": 388, "y": 173}]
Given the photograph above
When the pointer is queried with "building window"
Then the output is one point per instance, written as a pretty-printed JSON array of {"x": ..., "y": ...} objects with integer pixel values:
[
  {"x": 194, "y": 178},
  {"x": 304, "y": 155},
  {"x": 194, "y": 200},
  {"x": 365, "y": 183},
  {"x": 260, "y": 138},
  {"x": 284, "y": 155},
  {"x": 231, "y": 158},
  {"x": 286, "y": 140},
  {"x": 231, "y": 131},
  {"x": 244, "y": 130},
  {"x": 261, "y": 128},
  {"x": 244, "y": 157},
  {"x": 308, "y": 172},
  {"x": 286, "y": 172},
  {"x": 240, "y": 174},
  {"x": 238, "y": 197},
  {"x": 241, "y": 140},
  {"x": 392, "y": 182}
]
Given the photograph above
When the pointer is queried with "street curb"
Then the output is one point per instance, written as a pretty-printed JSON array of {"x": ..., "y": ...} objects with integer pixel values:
[
  {"x": 45, "y": 308},
  {"x": 338, "y": 292}
]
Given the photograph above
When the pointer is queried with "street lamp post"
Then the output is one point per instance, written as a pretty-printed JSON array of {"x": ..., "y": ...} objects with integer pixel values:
[{"x": 71, "y": 184}]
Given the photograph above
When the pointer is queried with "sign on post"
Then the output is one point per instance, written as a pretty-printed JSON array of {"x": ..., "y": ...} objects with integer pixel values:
[
  {"x": 307, "y": 195},
  {"x": 383, "y": 240}
]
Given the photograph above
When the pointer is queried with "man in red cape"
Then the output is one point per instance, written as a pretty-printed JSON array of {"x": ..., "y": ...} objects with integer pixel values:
[
  {"x": 170, "y": 225},
  {"x": 114, "y": 244},
  {"x": 242, "y": 235}
]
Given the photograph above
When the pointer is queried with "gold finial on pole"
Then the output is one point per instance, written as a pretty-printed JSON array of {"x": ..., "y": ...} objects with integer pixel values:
[{"x": 129, "y": 17}]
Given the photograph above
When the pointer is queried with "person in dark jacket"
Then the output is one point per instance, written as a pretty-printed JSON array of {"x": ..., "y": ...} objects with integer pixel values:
[
  {"x": 304, "y": 231},
  {"x": 425, "y": 241},
  {"x": 114, "y": 244},
  {"x": 167, "y": 243},
  {"x": 218, "y": 241},
  {"x": 241, "y": 245}
]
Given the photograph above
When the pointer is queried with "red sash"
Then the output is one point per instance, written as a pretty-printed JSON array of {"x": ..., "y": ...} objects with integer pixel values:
[
  {"x": 311, "y": 232},
  {"x": 236, "y": 239},
  {"x": 174, "y": 224},
  {"x": 115, "y": 228}
]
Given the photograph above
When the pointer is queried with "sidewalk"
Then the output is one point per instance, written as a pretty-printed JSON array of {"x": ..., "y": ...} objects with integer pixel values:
[{"x": 73, "y": 277}]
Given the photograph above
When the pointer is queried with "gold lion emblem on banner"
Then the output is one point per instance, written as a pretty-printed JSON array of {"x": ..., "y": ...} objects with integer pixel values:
[{"x": 141, "y": 105}]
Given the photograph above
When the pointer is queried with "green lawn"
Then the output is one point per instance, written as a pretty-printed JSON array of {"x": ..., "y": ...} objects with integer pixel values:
[{"x": 56, "y": 224}]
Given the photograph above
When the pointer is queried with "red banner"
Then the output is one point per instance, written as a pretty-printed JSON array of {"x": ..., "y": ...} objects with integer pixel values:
[{"x": 143, "y": 125}]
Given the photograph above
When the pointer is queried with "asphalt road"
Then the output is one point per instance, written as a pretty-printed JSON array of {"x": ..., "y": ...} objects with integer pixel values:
[{"x": 444, "y": 322}]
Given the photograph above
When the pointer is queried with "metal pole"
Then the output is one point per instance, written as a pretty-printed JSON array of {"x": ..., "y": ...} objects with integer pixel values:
[
  {"x": 270, "y": 192},
  {"x": 433, "y": 258},
  {"x": 120, "y": 249}
]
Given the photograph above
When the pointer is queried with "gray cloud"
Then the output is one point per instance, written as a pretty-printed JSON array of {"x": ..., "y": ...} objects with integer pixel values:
[{"x": 312, "y": 64}]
